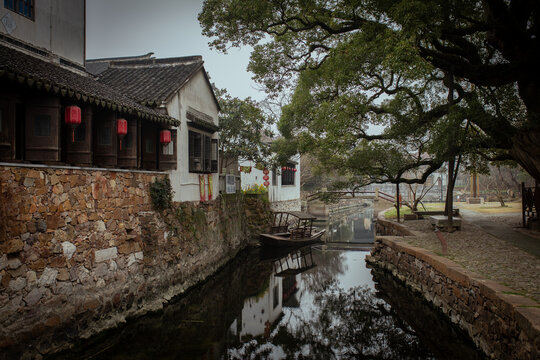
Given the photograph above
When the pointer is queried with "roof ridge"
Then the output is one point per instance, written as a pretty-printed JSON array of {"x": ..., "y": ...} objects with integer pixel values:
[
  {"x": 122, "y": 58},
  {"x": 185, "y": 60}
]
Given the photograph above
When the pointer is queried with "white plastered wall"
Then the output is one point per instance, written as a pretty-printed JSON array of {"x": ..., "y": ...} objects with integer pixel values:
[
  {"x": 196, "y": 94},
  {"x": 276, "y": 192}
]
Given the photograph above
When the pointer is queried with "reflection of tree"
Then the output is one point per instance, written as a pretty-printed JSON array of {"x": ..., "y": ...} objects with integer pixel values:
[
  {"x": 348, "y": 324},
  {"x": 333, "y": 264}
]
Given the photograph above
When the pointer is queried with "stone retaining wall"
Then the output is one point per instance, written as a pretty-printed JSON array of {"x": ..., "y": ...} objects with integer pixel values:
[
  {"x": 286, "y": 205},
  {"x": 82, "y": 250},
  {"x": 503, "y": 324}
]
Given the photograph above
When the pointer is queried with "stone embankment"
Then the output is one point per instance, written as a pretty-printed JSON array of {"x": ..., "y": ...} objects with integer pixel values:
[
  {"x": 82, "y": 250},
  {"x": 503, "y": 324}
]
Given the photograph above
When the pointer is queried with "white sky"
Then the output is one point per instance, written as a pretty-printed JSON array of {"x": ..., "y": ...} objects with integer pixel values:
[{"x": 168, "y": 28}]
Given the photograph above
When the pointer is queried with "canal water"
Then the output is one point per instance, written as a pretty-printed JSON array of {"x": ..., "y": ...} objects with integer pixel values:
[{"x": 308, "y": 303}]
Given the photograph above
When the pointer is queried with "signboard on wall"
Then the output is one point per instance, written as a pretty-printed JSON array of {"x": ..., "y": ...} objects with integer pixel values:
[{"x": 230, "y": 184}]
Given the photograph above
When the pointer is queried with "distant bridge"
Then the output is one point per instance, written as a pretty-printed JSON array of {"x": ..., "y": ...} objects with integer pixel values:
[{"x": 377, "y": 194}]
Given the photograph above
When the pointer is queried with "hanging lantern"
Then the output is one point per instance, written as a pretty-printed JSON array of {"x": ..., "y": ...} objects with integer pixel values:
[
  {"x": 265, "y": 177},
  {"x": 73, "y": 119},
  {"x": 294, "y": 169},
  {"x": 284, "y": 168},
  {"x": 164, "y": 137},
  {"x": 121, "y": 129},
  {"x": 265, "y": 171},
  {"x": 266, "y": 183}
]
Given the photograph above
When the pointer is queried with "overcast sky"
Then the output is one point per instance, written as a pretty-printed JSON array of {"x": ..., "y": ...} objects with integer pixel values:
[{"x": 168, "y": 28}]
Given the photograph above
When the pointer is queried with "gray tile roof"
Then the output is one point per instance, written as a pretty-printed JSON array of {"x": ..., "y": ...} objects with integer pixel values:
[
  {"x": 149, "y": 84},
  {"x": 147, "y": 80},
  {"x": 43, "y": 75}
]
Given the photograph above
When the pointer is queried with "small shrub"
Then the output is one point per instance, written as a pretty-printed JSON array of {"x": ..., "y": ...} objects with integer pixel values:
[
  {"x": 161, "y": 193},
  {"x": 255, "y": 189}
]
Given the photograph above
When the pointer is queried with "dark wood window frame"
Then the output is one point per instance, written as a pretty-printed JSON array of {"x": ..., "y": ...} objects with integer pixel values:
[
  {"x": 288, "y": 176},
  {"x": 203, "y": 153}
]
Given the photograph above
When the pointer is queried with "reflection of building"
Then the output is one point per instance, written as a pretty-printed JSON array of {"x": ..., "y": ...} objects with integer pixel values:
[
  {"x": 258, "y": 312},
  {"x": 261, "y": 312}
]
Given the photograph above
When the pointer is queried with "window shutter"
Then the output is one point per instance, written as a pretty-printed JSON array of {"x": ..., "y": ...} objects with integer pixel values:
[
  {"x": 207, "y": 153},
  {"x": 215, "y": 150},
  {"x": 195, "y": 151}
]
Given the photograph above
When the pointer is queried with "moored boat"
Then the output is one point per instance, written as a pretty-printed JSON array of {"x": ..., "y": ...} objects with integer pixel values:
[{"x": 292, "y": 228}]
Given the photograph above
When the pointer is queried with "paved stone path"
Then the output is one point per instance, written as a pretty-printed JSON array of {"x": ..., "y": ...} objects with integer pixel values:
[
  {"x": 493, "y": 225},
  {"x": 505, "y": 258}
]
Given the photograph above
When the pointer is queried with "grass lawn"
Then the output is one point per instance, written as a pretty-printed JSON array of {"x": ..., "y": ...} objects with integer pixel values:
[
  {"x": 492, "y": 207},
  {"x": 486, "y": 208},
  {"x": 392, "y": 213}
]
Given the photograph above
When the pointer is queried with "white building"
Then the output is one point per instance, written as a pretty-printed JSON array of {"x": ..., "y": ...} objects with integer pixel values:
[
  {"x": 283, "y": 183},
  {"x": 178, "y": 87}
]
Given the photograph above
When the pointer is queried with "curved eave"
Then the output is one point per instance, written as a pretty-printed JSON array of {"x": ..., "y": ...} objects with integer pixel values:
[{"x": 85, "y": 97}]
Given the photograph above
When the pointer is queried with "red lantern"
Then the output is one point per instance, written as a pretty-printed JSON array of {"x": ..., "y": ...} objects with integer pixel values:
[
  {"x": 164, "y": 137},
  {"x": 284, "y": 168},
  {"x": 294, "y": 169},
  {"x": 266, "y": 183},
  {"x": 73, "y": 119},
  {"x": 265, "y": 171},
  {"x": 121, "y": 129},
  {"x": 265, "y": 177}
]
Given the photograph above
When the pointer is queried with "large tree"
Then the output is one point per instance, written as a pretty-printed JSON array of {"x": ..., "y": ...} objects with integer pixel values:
[
  {"x": 244, "y": 130},
  {"x": 351, "y": 54}
]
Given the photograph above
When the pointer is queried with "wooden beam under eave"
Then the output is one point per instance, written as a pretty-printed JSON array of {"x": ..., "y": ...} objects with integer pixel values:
[
  {"x": 20, "y": 79},
  {"x": 30, "y": 82}
]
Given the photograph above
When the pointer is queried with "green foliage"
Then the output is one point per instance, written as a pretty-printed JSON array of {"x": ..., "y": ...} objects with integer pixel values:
[
  {"x": 243, "y": 127},
  {"x": 358, "y": 64},
  {"x": 161, "y": 193}
]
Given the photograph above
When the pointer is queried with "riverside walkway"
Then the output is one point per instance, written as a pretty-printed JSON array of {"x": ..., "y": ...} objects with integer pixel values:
[
  {"x": 493, "y": 225},
  {"x": 489, "y": 245}
]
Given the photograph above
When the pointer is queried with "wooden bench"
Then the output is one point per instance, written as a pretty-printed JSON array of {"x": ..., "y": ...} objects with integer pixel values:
[{"x": 421, "y": 214}]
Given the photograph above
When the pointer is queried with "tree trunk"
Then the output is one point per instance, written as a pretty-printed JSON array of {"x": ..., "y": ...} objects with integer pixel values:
[
  {"x": 450, "y": 194},
  {"x": 500, "y": 197},
  {"x": 526, "y": 151}
]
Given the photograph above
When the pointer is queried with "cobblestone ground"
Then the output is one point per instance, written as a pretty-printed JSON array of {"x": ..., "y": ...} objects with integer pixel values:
[{"x": 484, "y": 254}]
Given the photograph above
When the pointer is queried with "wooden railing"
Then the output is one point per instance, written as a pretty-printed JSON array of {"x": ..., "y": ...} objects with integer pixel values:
[
  {"x": 351, "y": 194},
  {"x": 530, "y": 203}
]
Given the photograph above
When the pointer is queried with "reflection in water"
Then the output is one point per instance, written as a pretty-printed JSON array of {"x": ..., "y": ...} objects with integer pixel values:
[
  {"x": 317, "y": 305},
  {"x": 351, "y": 227}
]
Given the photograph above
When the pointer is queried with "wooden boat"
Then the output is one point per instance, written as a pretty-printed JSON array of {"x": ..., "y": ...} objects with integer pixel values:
[{"x": 292, "y": 228}]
